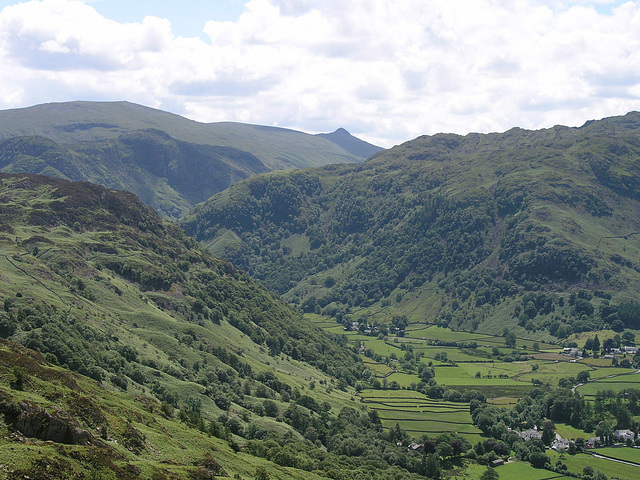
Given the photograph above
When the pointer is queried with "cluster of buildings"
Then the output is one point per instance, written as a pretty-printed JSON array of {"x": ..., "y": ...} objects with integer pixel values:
[{"x": 576, "y": 352}]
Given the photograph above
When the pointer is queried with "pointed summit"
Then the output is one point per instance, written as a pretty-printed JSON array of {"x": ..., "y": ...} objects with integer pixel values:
[{"x": 351, "y": 144}]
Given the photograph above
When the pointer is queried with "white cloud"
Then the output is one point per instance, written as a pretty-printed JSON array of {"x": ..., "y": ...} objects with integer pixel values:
[{"x": 388, "y": 70}]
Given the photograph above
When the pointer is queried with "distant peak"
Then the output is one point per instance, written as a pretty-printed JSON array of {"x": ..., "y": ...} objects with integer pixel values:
[{"x": 351, "y": 144}]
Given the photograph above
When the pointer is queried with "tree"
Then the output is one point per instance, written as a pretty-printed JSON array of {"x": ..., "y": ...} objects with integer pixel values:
[
  {"x": 538, "y": 459},
  {"x": 583, "y": 376},
  {"x": 19, "y": 379},
  {"x": 617, "y": 325},
  {"x": 490, "y": 474},
  {"x": 628, "y": 338},
  {"x": 510, "y": 340},
  {"x": 604, "y": 430},
  {"x": 270, "y": 408},
  {"x": 432, "y": 467},
  {"x": 548, "y": 432}
]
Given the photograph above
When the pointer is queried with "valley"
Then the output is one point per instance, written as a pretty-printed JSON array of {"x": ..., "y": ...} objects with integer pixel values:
[{"x": 412, "y": 316}]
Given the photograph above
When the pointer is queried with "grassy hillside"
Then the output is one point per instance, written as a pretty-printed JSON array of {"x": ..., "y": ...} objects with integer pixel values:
[
  {"x": 158, "y": 332},
  {"x": 170, "y": 162},
  {"x": 79, "y": 122},
  {"x": 536, "y": 231},
  {"x": 117, "y": 435},
  {"x": 169, "y": 175}
]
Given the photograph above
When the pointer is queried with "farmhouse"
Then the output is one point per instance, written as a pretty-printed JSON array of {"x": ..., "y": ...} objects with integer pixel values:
[
  {"x": 624, "y": 435},
  {"x": 560, "y": 443},
  {"x": 529, "y": 434},
  {"x": 416, "y": 447}
]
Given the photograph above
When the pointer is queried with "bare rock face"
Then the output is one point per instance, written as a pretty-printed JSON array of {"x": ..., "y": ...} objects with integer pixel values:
[{"x": 59, "y": 426}]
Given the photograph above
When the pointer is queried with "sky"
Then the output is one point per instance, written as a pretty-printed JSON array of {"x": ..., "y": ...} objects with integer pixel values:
[{"x": 386, "y": 70}]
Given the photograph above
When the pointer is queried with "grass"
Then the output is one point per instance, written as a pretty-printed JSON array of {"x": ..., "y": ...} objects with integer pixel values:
[
  {"x": 590, "y": 389},
  {"x": 571, "y": 433},
  {"x": 624, "y": 453},
  {"x": 170, "y": 447},
  {"x": 513, "y": 470},
  {"x": 575, "y": 464},
  {"x": 419, "y": 415}
]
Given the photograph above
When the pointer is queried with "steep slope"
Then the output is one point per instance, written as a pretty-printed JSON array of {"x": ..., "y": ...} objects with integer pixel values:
[
  {"x": 99, "y": 285},
  {"x": 169, "y": 175},
  {"x": 59, "y": 424},
  {"x": 533, "y": 230},
  {"x": 170, "y": 162}
]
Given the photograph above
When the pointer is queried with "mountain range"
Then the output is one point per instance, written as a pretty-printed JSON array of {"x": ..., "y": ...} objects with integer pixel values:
[
  {"x": 534, "y": 231},
  {"x": 129, "y": 350},
  {"x": 170, "y": 162}
]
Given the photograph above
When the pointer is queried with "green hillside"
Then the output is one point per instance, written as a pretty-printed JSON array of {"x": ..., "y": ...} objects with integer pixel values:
[
  {"x": 182, "y": 366},
  {"x": 169, "y": 175},
  {"x": 170, "y": 162},
  {"x": 536, "y": 231},
  {"x": 79, "y": 122}
]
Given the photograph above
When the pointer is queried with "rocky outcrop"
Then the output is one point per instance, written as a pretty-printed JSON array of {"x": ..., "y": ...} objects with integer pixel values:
[{"x": 56, "y": 426}]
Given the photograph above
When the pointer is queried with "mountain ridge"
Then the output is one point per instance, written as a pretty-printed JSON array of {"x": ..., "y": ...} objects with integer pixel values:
[
  {"x": 171, "y": 162},
  {"x": 457, "y": 230},
  {"x": 81, "y": 121}
]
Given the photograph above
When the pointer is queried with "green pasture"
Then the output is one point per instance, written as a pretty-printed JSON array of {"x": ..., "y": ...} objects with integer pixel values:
[
  {"x": 572, "y": 433},
  {"x": 406, "y": 397},
  {"x": 454, "y": 354},
  {"x": 457, "y": 419},
  {"x": 378, "y": 369},
  {"x": 575, "y": 464},
  {"x": 606, "y": 371},
  {"x": 515, "y": 390},
  {"x": 628, "y": 378},
  {"x": 496, "y": 368},
  {"x": 434, "y": 332},
  {"x": 419, "y": 415},
  {"x": 446, "y": 372},
  {"x": 379, "y": 347},
  {"x": 513, "y": 470},
  {"x": 617, "y": 384},
  {"x": 504, "y": 402},
  {"x": 597, "y": 362},
  {"x": 590, "y": 389},
  {"x": 622, "y": 453},
  {"x": 475, "y": 383},
  {"x": 552, "y": 372},
  {"x": 403, "y": 379}
]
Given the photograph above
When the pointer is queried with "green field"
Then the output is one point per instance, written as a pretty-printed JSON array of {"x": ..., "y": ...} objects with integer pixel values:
[
  {"x": 624, "y": 453},
  {"x": 591, "y": 388},
  {"x": 567, "y": 431},
  {"x": 607, "y": 371},
  {"x": 575, "y": 464},
  {"x": 513, "y": 470},
  {"x": 419, "y": 415},
  {"x": 468, "y": 369},
  {"x": 379, "y": 369}
]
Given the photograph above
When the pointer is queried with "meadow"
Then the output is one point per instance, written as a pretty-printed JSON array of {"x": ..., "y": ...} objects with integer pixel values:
[
  {"x": 487, "y": 369},
  {"x": 576, "y": 463},
  {"x": 420, "y": 416}
]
